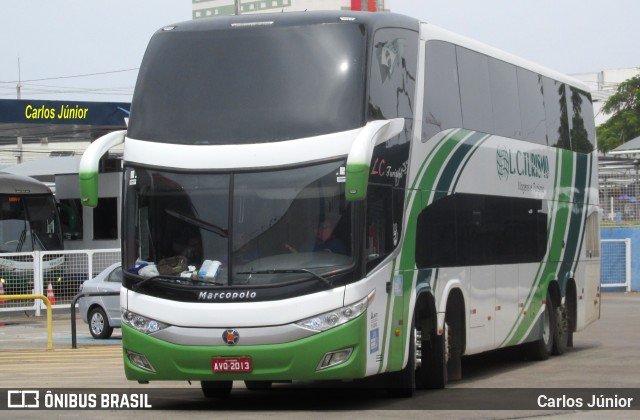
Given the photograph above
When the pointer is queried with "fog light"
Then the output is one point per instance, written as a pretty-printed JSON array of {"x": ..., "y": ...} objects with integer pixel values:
[
  {"x": 334, "y": 358},
  {"x": 140, "y": 361}
]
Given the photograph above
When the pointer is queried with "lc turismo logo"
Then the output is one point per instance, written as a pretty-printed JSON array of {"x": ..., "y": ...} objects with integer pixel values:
[{"x": 529, "y": 164}]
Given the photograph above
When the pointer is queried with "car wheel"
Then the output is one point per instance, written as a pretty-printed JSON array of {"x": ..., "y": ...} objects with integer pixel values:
[{"x": 99, "y": 324}]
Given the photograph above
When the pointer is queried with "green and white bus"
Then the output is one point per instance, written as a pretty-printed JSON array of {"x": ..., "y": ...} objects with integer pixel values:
[{"x": 333, "y": 196}]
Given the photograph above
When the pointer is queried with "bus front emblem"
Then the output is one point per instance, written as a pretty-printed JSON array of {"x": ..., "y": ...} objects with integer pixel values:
[{"x": 231, "y": 337}]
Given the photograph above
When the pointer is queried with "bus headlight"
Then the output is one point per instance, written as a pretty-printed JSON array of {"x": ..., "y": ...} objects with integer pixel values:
[
  {"x": 141, "y": 323},
  {"x": 337, "y": 317}
]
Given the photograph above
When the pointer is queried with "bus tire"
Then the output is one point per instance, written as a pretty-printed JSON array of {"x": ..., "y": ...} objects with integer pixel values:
[
  {"x": 216, "y": 389},
  {"x": 432, "y": 374},
  {"x": 542, "y": 348},
  {"x": 453, "y": 342},
  {"x": 402, "y": 384},
  {"x": 560, "y": 330},
  {"x": 571, "y": 304}
]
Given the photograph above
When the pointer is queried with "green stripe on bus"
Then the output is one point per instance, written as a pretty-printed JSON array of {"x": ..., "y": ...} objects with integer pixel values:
[{"x": 557, "y": 242}]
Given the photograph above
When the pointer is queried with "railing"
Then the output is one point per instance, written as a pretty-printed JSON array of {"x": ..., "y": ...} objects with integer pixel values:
[
  {"x": 615, "y": 264},
  {"x": 54, "y": 274},
  {"x": 49, "y": 315}
]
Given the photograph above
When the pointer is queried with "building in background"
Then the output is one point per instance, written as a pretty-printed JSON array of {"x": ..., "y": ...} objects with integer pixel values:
[
  {"x": 603, "y": 84},
  {"x": 209, "y": 8}
]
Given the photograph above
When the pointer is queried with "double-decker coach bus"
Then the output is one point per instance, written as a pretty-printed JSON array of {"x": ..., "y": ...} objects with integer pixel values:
[
  {"x": 29, "y": 222},
  {"x": 322, "y": 196}
]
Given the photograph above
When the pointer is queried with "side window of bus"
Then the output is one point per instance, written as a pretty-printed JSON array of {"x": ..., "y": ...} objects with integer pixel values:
[
  {"x": 471, "y": 229},
  {"x": 531, "y": 107},
  {"x": 393, "y": 75},
  {"x": 581, "y": 120},
  {"x": 71, "y": 218},
  {"x": 105, "y": 219},
  {"x": 555, "y": 104},
  {"x": 475, "y": 90},
  {"x": 379, "y": 224},
  {"x": 442, "y": 93}
]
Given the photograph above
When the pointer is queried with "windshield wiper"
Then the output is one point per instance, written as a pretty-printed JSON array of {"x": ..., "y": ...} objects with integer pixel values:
[
  {"x": 290, "y": 271},
  {"x": 199, "y": 223}
]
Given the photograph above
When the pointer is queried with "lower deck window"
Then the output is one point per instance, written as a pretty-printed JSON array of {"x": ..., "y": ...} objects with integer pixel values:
[{"x": 472, "y": 229}]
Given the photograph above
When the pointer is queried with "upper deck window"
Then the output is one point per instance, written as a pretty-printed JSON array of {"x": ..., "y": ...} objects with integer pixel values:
[{"x": 250, "y": 84}]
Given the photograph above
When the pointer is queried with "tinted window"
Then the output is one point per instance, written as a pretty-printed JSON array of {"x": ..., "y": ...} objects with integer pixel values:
[
  {"x": 469, "y": 229},
  {"x": 105, "y": 219},
  {"x": 379, "y": 225},
  {"x": 71, "y": 218},
  {"x": 393, "y": 74},
  {"x": 250, "y": 85},
  {"x": 531, "y": 107},
  {"x": 442, "y": 94},
  {"x": 504, "y": 98},
  {"x": 475, "y": 90},
  {"x": 555, "y": 104},
  {"x": 581, "y": 121}
]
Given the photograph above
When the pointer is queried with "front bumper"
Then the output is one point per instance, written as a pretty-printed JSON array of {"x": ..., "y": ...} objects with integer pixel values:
[{"x": 296, "y": 360}]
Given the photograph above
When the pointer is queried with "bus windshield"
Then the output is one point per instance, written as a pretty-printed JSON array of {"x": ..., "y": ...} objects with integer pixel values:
[
  {"x": 29, "y": 223},
  {"x": 250, "y": 84},
  {"x": 259, "y": 228}
]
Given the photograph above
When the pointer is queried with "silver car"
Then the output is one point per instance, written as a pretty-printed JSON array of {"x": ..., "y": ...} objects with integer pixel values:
[{"x": 102, "y": 313}]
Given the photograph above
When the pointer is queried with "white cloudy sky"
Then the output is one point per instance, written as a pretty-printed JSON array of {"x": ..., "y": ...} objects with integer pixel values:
[{"x": 55, "y": 39}]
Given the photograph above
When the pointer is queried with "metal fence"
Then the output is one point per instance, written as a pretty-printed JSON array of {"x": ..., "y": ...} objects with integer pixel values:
[
  {"x": 615, "y": 264},
  {"x": 620, "y": 196},
  {"x": 55, "y": 274}
]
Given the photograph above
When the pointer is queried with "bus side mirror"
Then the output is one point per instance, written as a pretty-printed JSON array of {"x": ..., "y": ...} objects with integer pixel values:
[
  {"x": 88, "y": 171},
  {"x": 359, "y": 159}
]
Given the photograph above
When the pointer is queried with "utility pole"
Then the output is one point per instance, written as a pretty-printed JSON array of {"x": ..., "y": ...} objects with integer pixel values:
[
  {"x": 19, "y": 85},
  {"x": 237, "y": 5},
  {"x": 18, "y": 154}
]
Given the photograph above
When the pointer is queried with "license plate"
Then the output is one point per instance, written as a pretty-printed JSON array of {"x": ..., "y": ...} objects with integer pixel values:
[{"x": 231, "y": 364}]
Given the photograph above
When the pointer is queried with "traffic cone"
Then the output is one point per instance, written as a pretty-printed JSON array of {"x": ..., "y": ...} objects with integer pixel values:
[
  {"x": 50, "y": 296},
  {"x": 2, "y": 302}
]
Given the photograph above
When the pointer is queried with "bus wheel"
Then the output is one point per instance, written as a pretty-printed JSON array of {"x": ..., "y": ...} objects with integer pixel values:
[
  {"x": 541, "y": 348},
  {"x": 402, "y": 384},
  {"x": 258, "y": 385},
  {"x": 432, "y": 373},
  {"x": 560, "y": 330},
  {"x": 453, "y": 342},
  {"x": 216, "y": 389}
]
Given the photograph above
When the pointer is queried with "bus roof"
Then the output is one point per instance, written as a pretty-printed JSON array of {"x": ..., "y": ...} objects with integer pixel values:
[
  {"x": 21, "y": 184},
  {"x": 372, "y": 20}
]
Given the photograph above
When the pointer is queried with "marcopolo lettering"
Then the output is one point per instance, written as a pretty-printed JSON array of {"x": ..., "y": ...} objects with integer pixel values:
[
  {"x": 533, "y": 165},
  {"x": 248, "y": 295}
]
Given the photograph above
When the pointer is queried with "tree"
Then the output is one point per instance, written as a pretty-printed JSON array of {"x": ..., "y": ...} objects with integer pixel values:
[{"x": 624, "y": 124}]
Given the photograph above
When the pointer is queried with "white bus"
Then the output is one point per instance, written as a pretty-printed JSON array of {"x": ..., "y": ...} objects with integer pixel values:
[
  {"x": 29, "y": 222},
  {"x": 333, "y": 196}
]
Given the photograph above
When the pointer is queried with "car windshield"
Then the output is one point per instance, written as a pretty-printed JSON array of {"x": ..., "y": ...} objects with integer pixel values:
[{"x": 240, "y": 228}]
